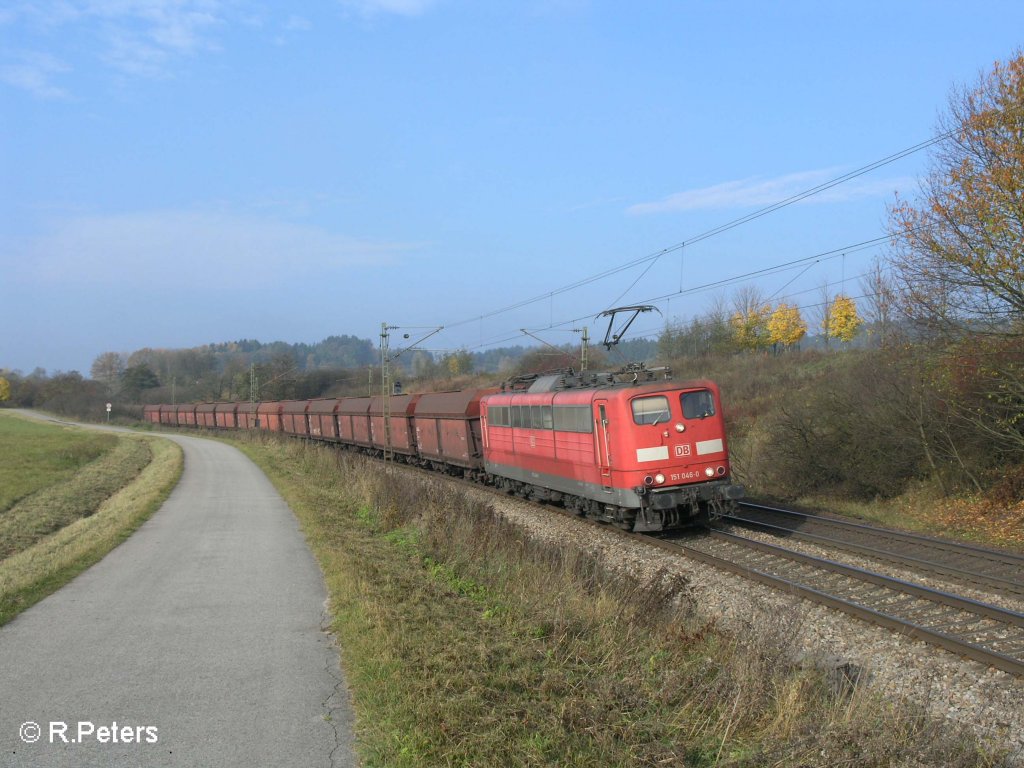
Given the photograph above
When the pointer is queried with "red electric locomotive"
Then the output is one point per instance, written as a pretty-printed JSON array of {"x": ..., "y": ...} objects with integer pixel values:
[{"x": 629, "y": 448}]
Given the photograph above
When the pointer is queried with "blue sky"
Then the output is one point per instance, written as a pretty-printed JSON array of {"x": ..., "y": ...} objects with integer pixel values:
[{"x": 178, "y": 172}]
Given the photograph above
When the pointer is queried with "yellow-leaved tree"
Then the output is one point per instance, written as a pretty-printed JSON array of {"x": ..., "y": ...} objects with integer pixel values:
[
  {"x": 5, "y": 389},
  {"x": 786, "y": 326},
  {"x": 749, "y": 320},
  {"x": 843, "y": 320},
  {"x": 750, "y": 327}
]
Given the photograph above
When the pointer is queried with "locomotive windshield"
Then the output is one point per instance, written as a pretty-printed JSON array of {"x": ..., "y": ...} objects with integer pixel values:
[
  {"x": 651, "y": 410},
  {"x": 697, "y": 405}
]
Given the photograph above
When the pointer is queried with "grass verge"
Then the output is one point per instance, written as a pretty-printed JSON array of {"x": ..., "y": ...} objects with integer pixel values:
[
  {"x": 34, "y": 455},
  {"x": 52, "y": 508},
  {"x": 923, "y": 510},
  {"x": 53, "y": 559},
  {"x": 467, "y": 642}
]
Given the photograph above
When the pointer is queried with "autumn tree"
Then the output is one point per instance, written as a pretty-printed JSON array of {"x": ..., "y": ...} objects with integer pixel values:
[
  {"x": 137, "y": 378},
  {"x": 749, "y": 320},
  {"x": 843, "y": 319},
  {"x": 958, "y": 259},
  {"x": 958, "y": 253},
  {"x": 107, "y": 368},
  {"x": 705, "y": 334},
  {"x": 785, "y": 325},
  {"x": 458, "y": 363},
  {"x": 5, "y": 389}
]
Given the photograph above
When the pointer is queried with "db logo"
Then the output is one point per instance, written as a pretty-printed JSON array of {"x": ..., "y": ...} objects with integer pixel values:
[{"x": 683, "y": 450}]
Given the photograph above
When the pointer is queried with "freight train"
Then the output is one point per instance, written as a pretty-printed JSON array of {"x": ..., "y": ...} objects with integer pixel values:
[{"x": 630, "y": 447}]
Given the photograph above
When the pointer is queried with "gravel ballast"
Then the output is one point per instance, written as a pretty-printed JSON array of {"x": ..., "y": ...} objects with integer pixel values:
[{"x": 966, "y": 693}]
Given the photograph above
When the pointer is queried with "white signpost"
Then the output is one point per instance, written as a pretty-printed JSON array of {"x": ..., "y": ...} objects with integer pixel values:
[{"x": 109, "y": 406}]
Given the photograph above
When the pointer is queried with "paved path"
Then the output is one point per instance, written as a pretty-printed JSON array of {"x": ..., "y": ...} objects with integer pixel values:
[{"x": 204, "y": 627}]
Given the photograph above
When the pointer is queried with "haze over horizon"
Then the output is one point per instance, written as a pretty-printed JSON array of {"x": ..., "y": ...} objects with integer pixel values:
[{"x": 200, "y": 171}]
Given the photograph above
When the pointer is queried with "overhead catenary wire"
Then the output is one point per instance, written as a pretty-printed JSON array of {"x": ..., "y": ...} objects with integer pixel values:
[
  {"x": 764, "y": 271},
  {"x": 725, "y": 227}
]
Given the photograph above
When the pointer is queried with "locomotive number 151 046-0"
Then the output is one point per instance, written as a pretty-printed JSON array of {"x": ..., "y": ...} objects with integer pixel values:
[{"x": 679, "y": 476}]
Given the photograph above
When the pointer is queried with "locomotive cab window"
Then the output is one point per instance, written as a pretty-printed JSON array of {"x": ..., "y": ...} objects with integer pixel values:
[
  {"x": 697, "y": 405},
  {"x": 651, "y": 410}
]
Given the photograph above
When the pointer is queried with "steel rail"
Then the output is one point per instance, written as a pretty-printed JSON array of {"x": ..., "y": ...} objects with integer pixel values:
[
  {"x": 982, "y": 552},
  {"x": 877, "y": 614},
  {"x": 972, "y": 577},
  {"x": 1001, "y": 570},
  {"x": 969, "y": 611}
]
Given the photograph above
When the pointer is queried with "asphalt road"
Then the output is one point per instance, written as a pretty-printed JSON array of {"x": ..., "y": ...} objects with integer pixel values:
[{"x": 200, "y": 637}]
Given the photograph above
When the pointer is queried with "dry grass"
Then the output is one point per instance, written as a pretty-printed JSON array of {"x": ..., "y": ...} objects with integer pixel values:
[
  {"x": 52, "y": 508},
  {"x": 467, "y": 642},
  {"x": 51, "y": 561},
  {"x": 923, "y": 509},
  {"x": 34, "y": 455}
]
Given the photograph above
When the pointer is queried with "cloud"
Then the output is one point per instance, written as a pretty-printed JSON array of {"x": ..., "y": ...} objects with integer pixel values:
[
  {"x": 162, "y": 248},
  {"x": 143, "y": 36},
  {"x": 758, "y": 192},
  {"x": 136, "y": 37},
  {"x": 34, "y": 72},
  {"x": 297, "y": 24},
  {"x": 397, "y": 7}
]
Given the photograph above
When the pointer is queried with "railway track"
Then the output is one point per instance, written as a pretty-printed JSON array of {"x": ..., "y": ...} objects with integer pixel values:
[
  {"x": 1000, "y": 572},
  {"x": 986, "y": 633},
  {"x": 979, "y": 631},
  {"x": 989, "y": 634}
]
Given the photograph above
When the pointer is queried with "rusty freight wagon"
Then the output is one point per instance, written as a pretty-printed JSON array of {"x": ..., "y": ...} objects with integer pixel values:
[
  {"x": 206, "y": 415},
  {"x": 323, "y": 418},
  {"x": 245, "y": 415},
  {"x": 354, "y": 421},
  {"x": 293, "y": 418},
  {"x": 403, "y": 435},
  {"x": 187, "y": 415},
  {"x": 447, "y": 428},
  {"x": 151, "y": 414},
  {"x": 225, "y": 415},
  {"x": 269, "y": 414}
]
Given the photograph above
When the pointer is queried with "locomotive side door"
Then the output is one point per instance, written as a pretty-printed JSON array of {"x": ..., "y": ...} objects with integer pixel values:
[{"x": 604, "y": 444}]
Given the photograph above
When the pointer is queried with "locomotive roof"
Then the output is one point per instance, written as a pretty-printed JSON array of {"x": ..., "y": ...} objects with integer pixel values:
[{"x": 634, "y": 375}]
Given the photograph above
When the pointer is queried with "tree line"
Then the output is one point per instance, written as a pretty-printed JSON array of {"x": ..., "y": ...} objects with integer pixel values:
[{"x": 936, "y": 393}]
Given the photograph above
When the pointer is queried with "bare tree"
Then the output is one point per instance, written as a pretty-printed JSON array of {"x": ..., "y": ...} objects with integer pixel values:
[
  {"x": 107, "y": 369},
  {"x": 880, "y": 303}
]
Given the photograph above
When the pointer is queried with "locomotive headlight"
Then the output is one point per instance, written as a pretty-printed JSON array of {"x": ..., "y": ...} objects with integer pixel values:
[
  {"x": 659, "y": 478},
  {"x": 648, "y": 480},
  {"x": 680, "y": 427},
  {"x": 709, "y": 472}
]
